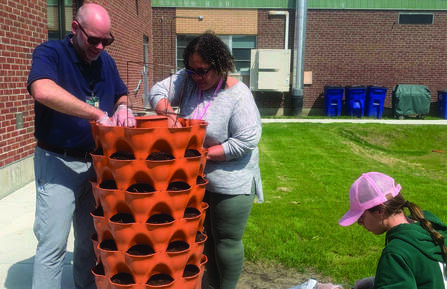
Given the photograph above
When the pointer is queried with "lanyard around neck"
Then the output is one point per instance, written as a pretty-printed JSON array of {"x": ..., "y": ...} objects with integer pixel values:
[{"x": 196, "y": 114}]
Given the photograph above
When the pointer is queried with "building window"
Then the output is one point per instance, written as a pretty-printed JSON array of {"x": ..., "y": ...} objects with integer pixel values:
[
  {"x": 239, "y": 45},
  {"x": 60, "y": 15},
  {"x": 416, "y": 18},
  {"x": 182, "y": 42}
]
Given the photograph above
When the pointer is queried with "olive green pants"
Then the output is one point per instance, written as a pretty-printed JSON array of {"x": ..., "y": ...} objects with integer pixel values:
[{"x": 225, "y": 223}]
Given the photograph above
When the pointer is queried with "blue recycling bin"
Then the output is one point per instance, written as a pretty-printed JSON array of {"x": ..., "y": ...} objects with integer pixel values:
[
  {"x": 355, "y": 100},
  {"x": 333, "y": 96},
  {"x": 375, "y": 98},
  {"x": 442, "y": 103}
]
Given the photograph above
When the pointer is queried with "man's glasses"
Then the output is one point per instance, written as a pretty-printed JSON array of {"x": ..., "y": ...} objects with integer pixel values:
[
  {"x": 199, "y": 72},
  {"x": 95, "y": 40}
]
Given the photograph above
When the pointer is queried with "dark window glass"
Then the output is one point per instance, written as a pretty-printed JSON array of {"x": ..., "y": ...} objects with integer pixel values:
[
  {"x": 416, "y": 18},
  {"x": 241, "y": 53}
]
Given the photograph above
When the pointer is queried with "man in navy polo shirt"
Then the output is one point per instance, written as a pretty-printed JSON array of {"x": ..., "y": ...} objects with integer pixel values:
[{"x": 73, "y": 81}]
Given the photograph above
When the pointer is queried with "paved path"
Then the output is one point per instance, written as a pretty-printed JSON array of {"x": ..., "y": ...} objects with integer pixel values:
[{"x": 18, "y": 243}]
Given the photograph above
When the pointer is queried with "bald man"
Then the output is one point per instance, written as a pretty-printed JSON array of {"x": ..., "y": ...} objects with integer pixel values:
[{"x": 73, "y": 81}]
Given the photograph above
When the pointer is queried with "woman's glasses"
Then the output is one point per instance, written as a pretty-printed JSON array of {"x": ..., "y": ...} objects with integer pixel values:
[
  {"x": 199, "y": 72},
  {"x": 95, "y": 40}
]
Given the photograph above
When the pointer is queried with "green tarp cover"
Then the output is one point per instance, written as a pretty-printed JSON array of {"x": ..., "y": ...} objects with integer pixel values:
[{"x": 411, "y": 99}]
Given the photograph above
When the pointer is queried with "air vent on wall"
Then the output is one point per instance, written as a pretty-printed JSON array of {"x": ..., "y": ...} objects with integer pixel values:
[{"x": 270, "y": 69}]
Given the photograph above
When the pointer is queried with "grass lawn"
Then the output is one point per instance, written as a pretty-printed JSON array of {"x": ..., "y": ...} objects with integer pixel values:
[{"x": 307, "y": 169}]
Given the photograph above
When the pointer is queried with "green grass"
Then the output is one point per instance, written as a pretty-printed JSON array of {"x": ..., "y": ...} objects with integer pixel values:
[{"x": 307, "y": 169}]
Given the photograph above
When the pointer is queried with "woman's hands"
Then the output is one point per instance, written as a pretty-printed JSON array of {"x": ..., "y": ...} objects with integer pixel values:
[{"x": 164, "y": 108}]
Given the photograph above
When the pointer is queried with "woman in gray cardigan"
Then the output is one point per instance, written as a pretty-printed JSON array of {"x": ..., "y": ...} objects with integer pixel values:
[{"x": 203, "y": 90}]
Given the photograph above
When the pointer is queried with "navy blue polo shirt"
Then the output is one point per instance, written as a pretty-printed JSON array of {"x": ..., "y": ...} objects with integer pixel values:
[{"x": 57, "y": 60}]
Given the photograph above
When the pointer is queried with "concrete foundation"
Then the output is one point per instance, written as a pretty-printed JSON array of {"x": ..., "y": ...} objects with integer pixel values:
[{"x": 16, "y": 175}]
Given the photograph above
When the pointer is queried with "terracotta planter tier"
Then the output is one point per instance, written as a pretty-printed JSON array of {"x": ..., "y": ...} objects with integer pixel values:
[
  {"x": 140, "y": 141},
  {"x": 191, "y": 276},
  {"x": 159, "y": 174},
  {"x": 144, "y": 204},
  {"x": 141, "y": 268},
  {"x": 158, "y": 235}
]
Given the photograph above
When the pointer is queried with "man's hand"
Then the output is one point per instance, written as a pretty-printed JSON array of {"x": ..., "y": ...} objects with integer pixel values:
[
  {"x": 105, "y": 120},
  {"x": 123, "y": 116}
]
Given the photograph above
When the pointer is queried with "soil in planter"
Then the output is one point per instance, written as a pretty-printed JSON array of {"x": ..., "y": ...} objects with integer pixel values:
[
  {"x": 108, "y": 245},
  {"x": 191, "y": 270},
  {"x": 140, "y": 250},
  {"x": 98, "y": 212},
  {"x": 99, "y": 269},
  {"x": 124, "y": 218},
  {"x": 191, "y": 213},
  {"x": 160, "y": 219},
  {"x": 122, "y": 279},
  {"x": 141, "y": 188},
  {"x": 200, "y": 180},
  {"x": 177, "y": 246},
  {"x": 178, "y": 186},
  {"x": 159, "y": 280},
  {"x": 122, "y": 155},
  {"x": 190, "y": 153},
  {"x": 108, "y": 185},
  {"x": 160, "y": 156},
  {"x": 200, "y": 237}
]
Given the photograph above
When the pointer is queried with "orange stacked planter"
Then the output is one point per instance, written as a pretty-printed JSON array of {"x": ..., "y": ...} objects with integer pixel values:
[{"x": 149, "y": 212}]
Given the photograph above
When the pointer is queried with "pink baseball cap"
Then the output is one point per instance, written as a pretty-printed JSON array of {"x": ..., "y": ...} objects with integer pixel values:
[{"x": 368, "y": 191}]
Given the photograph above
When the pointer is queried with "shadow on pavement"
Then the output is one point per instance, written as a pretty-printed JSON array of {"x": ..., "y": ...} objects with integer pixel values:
[{"x": 20, "y": 274}]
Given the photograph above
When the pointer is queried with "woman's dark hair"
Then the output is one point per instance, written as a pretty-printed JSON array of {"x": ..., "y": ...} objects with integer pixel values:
[
  {"x": 396, "y": 206},
  {"x": 212, "y": 50}
]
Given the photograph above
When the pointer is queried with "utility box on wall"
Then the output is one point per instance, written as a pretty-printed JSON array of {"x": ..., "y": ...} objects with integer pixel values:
[{"x": 270, "y": 69}]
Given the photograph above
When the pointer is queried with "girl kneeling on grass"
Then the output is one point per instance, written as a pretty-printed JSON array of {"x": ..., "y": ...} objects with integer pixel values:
[{"x": 415, "y": 253}]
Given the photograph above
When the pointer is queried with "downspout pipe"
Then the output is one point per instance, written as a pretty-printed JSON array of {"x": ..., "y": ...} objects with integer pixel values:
[
  {"x": 300, "y": 36},
  {"x": 286, "y": 30}
]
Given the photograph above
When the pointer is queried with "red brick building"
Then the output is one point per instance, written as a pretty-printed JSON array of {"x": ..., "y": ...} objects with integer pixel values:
[
  {"x": 361, "y": 44},
  {"x": 24, "y": 25}
]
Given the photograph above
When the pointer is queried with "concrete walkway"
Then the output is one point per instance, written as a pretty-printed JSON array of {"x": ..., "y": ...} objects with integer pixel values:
[
  {"x": 18, "y": 243},
  {"x": 17, "y": 217}
]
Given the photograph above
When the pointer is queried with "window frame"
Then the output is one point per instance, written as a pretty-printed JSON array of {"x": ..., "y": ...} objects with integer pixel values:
[
  {"x": 227, "y": 39},
  {"x": 63, "y": 20}
]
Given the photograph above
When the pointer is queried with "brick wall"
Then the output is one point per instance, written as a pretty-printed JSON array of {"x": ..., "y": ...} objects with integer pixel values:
[
  {"x": 271, "y": 35},
  {"x": 130, "y": 22},
  {"x": 221, "y": 21},
  {"x": 166, "y": 26},
  {"x": 271, "y": 30},
  {"x": 371, "y": 48},
  {"x": 21, "y": 29},
  {"x": 163, "y": 42},
  {"x": 359, "y": 47}
]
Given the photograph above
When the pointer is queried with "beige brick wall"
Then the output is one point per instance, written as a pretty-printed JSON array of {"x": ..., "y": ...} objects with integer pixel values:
[{"x": 221, "y": 21}]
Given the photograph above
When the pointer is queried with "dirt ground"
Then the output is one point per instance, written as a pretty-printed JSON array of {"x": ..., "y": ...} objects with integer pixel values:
[{"x": 266, "y": 276}]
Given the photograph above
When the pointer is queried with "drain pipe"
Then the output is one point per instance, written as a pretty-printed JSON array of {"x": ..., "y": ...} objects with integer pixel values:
[
  {"x": 300, "y": 36},
  {"x": 286, "y": 32}
]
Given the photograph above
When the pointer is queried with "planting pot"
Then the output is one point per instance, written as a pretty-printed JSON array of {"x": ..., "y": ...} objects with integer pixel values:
[{"x": 149, "y": 212}]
